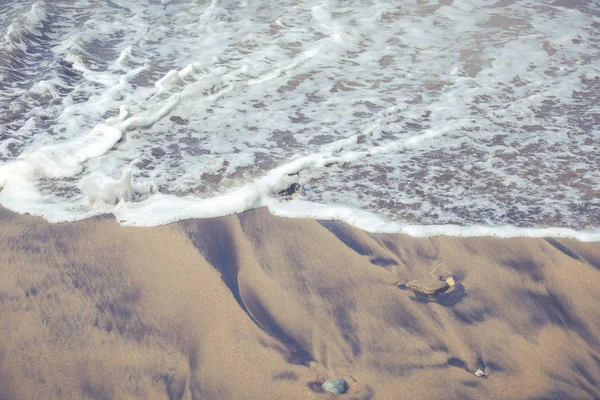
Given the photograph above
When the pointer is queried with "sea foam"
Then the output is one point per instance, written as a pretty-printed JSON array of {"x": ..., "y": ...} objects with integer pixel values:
[{"x": 465, "y": 119}]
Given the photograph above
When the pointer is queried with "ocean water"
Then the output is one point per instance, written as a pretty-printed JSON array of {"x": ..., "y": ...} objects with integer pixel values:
[{"x": 456, "y": 117}]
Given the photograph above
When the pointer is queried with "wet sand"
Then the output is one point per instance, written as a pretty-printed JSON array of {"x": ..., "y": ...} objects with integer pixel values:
[{"x": 253, "y": 306}]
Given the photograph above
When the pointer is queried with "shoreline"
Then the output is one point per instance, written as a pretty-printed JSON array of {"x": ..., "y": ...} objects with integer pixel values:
[
  {"x": 364, "y": 220},
  {"x": 258, "y": 306}
]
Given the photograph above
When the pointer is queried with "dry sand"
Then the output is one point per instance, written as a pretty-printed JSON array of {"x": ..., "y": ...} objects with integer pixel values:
[{"x": 258, "y": 307}]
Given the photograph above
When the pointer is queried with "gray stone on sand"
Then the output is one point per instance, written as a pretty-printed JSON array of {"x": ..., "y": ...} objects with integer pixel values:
[
  {"x": 337, "y": 386},
  {"x": 428, "y": 286}
]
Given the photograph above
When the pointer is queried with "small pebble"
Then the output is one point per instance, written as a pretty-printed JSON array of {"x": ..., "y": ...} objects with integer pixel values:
[{"x": 337, "y": 386}]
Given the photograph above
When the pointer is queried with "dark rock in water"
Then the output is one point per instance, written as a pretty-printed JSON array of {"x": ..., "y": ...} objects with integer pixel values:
[
  {"x": 428, "y": 286},
  {"x": 337, "y": 386},
  {"x": 292, "y": 189},
  {"x": 179, "y": 120}
]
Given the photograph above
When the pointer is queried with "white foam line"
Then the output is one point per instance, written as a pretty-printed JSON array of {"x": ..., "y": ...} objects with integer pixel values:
[
  {"x": 371, "y": 222},
  {"x": 158, "y": 209},
  {"x": 61, "y": 160},
  {"x": 149, "y": 118},
  {"x": 304, "y": 56}
]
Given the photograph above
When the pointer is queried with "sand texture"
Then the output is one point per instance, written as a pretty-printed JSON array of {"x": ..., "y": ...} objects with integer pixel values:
[{"x": 253, "y": 306}]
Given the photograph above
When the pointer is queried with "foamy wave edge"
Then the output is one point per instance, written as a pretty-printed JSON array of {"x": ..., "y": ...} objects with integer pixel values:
[
  {"x": 19, "y": 193},
  {"x": 135, "y": 204},
  {"x": 160, "y": 209}
]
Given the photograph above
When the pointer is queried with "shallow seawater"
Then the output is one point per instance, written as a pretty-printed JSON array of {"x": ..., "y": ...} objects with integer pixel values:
[{"x": 455, "y": 113}]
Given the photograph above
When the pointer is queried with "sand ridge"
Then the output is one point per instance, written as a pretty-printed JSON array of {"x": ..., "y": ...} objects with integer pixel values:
[{"x": 253, "y": 306}]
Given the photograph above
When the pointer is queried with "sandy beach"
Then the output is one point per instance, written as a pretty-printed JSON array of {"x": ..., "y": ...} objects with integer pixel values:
[
  {"x": 253, "y": 306},
  {"x": 469, "y": 128}
]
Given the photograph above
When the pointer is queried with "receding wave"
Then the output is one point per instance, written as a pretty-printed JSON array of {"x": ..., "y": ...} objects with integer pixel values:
[{"x": 458, "y": 118}]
